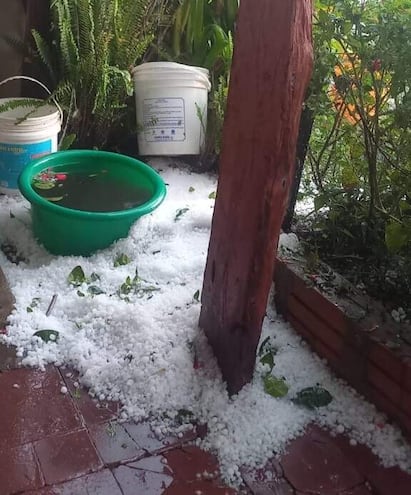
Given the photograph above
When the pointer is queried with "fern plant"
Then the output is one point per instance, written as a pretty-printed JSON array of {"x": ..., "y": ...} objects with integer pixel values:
[{"x": 94, "y": 43}]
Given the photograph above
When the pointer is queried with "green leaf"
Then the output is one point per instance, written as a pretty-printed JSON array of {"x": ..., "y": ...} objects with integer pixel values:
[
  {"x": 67, "y": 142},
  {"x": 34, "y": 303},
  {"x": 276, "y": 387},
  {"x": 94, "y": 290},
  {"x": 148, "y": 289},
  {"x": 212, "y": 195},
  {"x": 76, "y": 276},
  {"x": 347, "y": 233},
  {"x": 266, "y": 352},
  {"x": 44, "y": 185},
  {"x": 196, "y": 296},
  {"x": 180, "y": 213},
  {"x": 313, "y": 397},
  {"x": 264, "y": 347},
  {"x": 94, "y": 277},
  {"x": 80, "y": 294},
  {"x": 127, "y": 286},
  {"x": 396, "y": 236},
  {"x": 122, "y": 259},
  {"x": 268, "y": 359},
  {"x": 191, "y": 189},
  {"x": 320, "y": 201},
  {"x": 47, "y": 335},
  {"x": 55, "y": 199}
]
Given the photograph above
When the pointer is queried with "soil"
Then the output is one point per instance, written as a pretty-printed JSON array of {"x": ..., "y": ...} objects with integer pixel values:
[{"x": 384, "y": 280}]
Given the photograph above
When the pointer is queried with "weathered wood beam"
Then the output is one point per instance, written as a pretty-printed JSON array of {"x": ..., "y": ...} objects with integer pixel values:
[{"x": 271, "y": 69}]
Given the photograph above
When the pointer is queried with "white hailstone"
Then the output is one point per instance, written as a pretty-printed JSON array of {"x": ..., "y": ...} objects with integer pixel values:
[
  {"x": 230, "y": 471},
  {"x": 64, "y": 390},
  {"x": 340, "y": 429},
  {"x": 16, "y": 385},
  {"x": 353, "y": 442},
  {"x": 76, "y": 385}
]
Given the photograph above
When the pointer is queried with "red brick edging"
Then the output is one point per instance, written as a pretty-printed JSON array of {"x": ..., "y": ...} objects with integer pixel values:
[{"x": 354, "y": 348}]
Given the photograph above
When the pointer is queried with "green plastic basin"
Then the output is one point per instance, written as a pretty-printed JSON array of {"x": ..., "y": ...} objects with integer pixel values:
[{"x": 66, "y": 231}]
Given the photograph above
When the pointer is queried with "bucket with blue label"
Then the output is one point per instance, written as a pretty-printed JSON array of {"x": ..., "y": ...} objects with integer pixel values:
[{"x": 26, "y": 133}]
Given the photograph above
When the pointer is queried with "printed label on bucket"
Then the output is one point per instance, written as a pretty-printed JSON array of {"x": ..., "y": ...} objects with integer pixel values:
[
  {"x": 15, "y": 156},
  {"x": 164, "y": 119}
]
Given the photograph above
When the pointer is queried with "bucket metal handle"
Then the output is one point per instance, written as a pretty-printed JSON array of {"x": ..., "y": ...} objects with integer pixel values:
[{"x": 27, "y": 78}]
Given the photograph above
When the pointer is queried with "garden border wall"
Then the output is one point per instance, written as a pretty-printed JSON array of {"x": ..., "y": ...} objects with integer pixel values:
[{"x": 360, "y": 350}]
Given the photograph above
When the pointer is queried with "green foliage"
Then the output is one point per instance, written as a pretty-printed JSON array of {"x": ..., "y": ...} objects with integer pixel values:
[
  {"x": 47, "y": 335},
  {"x": 313, "y": 397},
  {"x": 360, "y": 149},
  {"x": 179, "y": 213},
  {"x": 276, "y": 387},
  {"x": 77, "y": 276},
  {"x": 122, "y": 259},
  {"x": 93, "y": 45},
  {"x": 202, "y": 35},
  {"x": 266, "y": 353}
]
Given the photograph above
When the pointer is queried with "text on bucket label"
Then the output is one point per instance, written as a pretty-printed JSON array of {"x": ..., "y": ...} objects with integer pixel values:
[
  {"x": 14, "y": 157},
  {"x": 164, "y": 119}
]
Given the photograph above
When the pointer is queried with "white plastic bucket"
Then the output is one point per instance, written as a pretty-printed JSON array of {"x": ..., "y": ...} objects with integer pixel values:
[
  {"x": 21, "y": 142},
  {"x": 171, "y": 106}
]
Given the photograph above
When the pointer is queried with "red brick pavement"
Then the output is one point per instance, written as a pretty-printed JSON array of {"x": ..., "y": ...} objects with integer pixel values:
[{"x": 69, "y": 444}]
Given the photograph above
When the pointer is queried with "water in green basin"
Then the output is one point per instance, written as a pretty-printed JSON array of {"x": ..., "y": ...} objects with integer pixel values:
[{"x": 97, "y": 192}]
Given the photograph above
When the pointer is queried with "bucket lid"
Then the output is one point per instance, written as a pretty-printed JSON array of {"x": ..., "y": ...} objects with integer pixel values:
[
  {"x": 173, "y": 69},
  {"x": 42, "y": 113}
]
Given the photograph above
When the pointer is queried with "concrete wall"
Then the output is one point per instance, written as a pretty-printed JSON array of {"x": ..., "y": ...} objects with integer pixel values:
[{"x": 12, "y": 25}]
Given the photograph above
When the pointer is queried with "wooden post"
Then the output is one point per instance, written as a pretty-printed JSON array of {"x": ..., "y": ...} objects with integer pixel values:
[{"x": 270, "y": 72}]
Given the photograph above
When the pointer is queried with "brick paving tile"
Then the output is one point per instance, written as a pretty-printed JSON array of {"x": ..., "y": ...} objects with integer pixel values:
[
  {"x": 8, "y": 358},
  {"x": 65, "y": 457},
  {"x": 315, "y": 464},
  {"x": 391, "y": 481},
  {"x": 156, "y": 464},
  {"x": 197, "y": 487},
  {"x": 19, "y": 469},
  {"x": 144, "y": 436},
  {"x": 382, "y": 480},
  {"x": 138, "y": 481},
  {"x": 114, "y": 444},
  {"x": 358, "y": 490},
  {"x": 32, "y": 406},
  {"x": 92, "y": 410},
  {"x": 191, "y": 463},
  {"x": 268, "y": 480},
  {"x": 278, "y": 487},
  {"x": 100, "y": 483}
]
